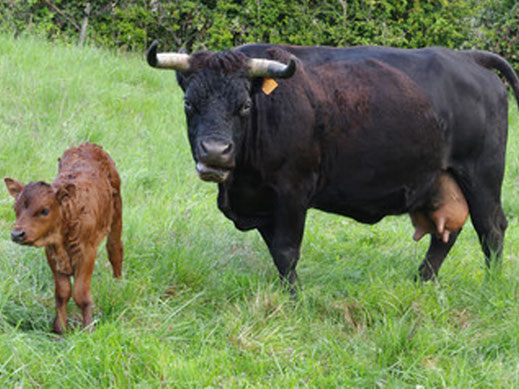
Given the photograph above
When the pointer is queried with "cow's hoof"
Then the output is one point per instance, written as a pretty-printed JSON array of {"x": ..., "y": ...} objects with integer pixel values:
[{"x": 426, "y": 273}]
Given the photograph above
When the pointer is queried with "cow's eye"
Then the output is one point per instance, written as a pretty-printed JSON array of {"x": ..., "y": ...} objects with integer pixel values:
[
  {"x": 44, "y": 212},
  {"x": 188, "y": 106},
  {"x": 245, "y": 108}
]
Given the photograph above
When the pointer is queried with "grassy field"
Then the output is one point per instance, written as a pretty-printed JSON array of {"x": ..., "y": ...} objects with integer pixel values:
[{"x": 200, "y": 303}]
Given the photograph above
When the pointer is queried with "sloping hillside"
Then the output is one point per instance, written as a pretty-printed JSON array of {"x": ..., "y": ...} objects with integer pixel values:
[{"x": 200, "y": 304}]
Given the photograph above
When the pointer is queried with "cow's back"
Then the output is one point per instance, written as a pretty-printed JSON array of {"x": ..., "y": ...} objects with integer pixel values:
[
  {"x": 441, "y": 73},
  {"x": 467, "y": 97}
]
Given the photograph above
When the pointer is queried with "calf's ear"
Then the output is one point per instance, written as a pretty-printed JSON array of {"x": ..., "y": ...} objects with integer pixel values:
[
  {"x": 65, "y": 191},
  {"x": 14, "y": 187}
]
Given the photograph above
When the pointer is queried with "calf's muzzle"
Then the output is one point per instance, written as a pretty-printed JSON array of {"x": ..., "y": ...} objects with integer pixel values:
[{"x": 17, "y": 236}]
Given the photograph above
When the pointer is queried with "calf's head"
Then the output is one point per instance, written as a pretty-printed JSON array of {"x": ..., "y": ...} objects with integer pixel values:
[
  {"x": 217, "y": 101},
  {"x": 38, "y": 213}
]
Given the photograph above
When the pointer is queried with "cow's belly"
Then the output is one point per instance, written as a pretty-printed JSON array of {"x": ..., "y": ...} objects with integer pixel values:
[
  {"x": 369, "y": 207},
  {"x": 368, "y": 193}
]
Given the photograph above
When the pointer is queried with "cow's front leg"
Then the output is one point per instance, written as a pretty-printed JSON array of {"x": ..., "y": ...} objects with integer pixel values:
[
  {"x": 82, "y": 285},
  {"x": 283, "y": 238}
]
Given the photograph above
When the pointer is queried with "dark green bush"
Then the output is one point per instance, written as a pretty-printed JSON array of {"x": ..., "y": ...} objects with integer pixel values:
[
  {"x": 499, "y": 28},
  {"x": 223, "y": 24}
]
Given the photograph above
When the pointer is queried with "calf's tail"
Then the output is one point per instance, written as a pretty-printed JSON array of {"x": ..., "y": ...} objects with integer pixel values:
[{"x": 493, "y": 61}]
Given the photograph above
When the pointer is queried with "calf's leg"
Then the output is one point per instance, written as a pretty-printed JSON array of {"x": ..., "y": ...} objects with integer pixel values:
[
  {"x": 62, "y": 292},
  {"x": 62, "y": 295},
  {"x": 114, "y": 245},
  {"x": 82, "y": 286}
]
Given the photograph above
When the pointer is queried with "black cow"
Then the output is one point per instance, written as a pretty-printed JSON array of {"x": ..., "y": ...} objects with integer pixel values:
[{"x": 363, "y": 132}]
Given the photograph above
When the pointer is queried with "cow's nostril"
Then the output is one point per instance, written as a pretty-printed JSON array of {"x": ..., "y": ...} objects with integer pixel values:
[
  {"x": 215, "y": 149},
  {"x": 203, "y": 146},
  {"x": 228, "y": 149}
]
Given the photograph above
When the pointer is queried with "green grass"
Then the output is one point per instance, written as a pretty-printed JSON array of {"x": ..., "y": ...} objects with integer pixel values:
[{"x": 200, "y": 304}]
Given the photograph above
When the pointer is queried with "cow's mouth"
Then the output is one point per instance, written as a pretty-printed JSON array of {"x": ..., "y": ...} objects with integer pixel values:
[{"x": 212, "y": 173}]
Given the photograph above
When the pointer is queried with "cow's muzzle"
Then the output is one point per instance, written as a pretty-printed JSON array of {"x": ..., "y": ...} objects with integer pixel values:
[{"x": 215, "y": 160}]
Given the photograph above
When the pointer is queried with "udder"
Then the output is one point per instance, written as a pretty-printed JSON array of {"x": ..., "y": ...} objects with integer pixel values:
[{"x": 448, "y": 212}]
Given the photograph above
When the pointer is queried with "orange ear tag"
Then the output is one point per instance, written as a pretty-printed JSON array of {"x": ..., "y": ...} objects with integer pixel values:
[{"x": 269, "y": 85}]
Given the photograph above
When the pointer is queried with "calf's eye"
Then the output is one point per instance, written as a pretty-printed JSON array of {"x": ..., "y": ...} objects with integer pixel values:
[{"x": 44, "y": 212}]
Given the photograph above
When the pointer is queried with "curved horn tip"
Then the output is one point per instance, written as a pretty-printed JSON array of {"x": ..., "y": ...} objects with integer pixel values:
[
  {"x": 288, "y": 70},
  {"x": 292, "y": 65},
  {"x": 259, "y": 67},
  {"x": 151, "y": 54}
]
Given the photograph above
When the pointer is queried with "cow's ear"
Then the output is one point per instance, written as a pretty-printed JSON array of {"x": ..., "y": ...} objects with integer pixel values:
[
  {"x": 256, "y": 85},
  {"x": 65, "y": 191},
  {"x": 181, "y": 80},
  {"x": 14, "y": 187}
]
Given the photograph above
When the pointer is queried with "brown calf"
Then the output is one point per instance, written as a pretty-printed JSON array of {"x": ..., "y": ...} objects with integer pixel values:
[
  {"x": 449, "y": 211},
  {"x": 70, "y": 218}
]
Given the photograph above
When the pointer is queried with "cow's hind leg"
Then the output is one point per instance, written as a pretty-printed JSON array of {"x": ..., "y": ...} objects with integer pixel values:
[
  {"x": 114, "y": 245},
  {"x": 489, "y": 220},
  {"x": 481, "y": 185},
  {"x": 483, "y": 178},
  {"x": 436, "y": 253}
]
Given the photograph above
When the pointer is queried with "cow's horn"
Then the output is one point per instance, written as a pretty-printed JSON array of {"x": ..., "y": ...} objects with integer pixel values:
[
  {"x": 174, "y": 61},
  {"x": 273, "y": 69}
]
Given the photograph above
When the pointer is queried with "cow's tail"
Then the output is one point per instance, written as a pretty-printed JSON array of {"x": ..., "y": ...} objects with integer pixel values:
[{"x": 493, "y": 61}]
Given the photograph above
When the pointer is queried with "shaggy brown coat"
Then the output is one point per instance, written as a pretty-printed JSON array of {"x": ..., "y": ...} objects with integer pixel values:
[{"x": 70, "y": 218}]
